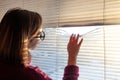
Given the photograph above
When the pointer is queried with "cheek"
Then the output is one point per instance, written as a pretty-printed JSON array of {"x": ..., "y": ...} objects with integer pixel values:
[
  {"x": 33, "y": 43},
  {"x": 37, "y": 41}
]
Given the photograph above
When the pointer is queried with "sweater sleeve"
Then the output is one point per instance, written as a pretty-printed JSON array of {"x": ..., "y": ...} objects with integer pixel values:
[{"x": 71, "y": 72}]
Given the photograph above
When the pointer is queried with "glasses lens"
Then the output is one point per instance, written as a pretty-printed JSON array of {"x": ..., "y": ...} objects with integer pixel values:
[{"x": 42, "y": 35}]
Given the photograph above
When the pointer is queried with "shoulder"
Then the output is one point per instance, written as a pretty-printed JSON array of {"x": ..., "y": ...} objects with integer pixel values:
[
  {"x": 35, "y": 71},
  {"x": 31, "y": 72}
]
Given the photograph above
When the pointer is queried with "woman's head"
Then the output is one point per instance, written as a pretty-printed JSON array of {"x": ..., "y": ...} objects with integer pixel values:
[{"x": 17, "y": 27}]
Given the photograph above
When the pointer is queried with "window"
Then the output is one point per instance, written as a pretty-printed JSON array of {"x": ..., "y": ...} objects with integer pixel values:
[
  {"x": 99, "y": 55},
  {"x": 98, "y": 58}
]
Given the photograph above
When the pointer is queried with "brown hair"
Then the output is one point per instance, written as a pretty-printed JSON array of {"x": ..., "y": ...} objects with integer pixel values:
[{"x": 17, "y": 26}]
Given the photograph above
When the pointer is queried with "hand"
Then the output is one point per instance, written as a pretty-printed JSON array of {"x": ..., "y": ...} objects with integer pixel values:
[{"x": 73, "y": 48}]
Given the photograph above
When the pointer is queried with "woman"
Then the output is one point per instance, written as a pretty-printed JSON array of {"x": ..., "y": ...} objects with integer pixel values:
[{"x": 20, "y": 30}]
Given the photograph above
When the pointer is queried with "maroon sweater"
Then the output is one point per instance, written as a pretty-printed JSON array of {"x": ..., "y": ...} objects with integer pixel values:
[{"x": 8, "y": 72}]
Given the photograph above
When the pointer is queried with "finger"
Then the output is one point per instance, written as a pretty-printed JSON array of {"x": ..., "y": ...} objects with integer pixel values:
[
  {"x": 80, "y": 42},
  {"x": 77, "y": 37},
  {"x": 71, "y": 37},
  {"x": 74, "y": 37}
]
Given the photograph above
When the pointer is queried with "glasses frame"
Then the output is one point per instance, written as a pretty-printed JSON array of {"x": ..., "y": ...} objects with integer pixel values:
[{"x": 41, "y": 35}]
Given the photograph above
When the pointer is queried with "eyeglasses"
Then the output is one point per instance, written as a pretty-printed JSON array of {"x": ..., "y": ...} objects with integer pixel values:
[{"x": 41, "y": 35}]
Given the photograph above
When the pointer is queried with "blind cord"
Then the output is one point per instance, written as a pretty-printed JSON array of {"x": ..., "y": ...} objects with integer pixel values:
[{"x": 104, "y": 8}]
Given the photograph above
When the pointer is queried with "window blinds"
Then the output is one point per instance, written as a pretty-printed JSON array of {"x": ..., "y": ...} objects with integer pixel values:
[
  {"x": 99, "y": 55},
  {"x": 63, "y": 13},
  {"x": 112, "y": 49},
  {"x": 87, "y": 12},
  {"x": 98, "y": 58},
  {"x": 80, "y": 12},
  {"x": 112, "y": 12}
]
